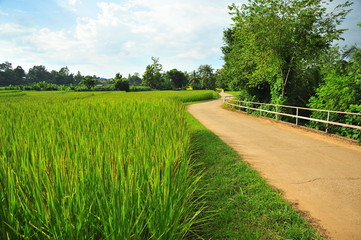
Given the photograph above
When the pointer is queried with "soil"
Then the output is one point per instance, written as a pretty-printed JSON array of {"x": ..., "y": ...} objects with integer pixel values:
[{"x": 317, "y": 173}]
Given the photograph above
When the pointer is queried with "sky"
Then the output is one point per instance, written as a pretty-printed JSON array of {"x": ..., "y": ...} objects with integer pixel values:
[{"x": 104, "y": 37}]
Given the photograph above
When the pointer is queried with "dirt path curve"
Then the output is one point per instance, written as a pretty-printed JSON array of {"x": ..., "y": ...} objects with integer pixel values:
[{"x": 320, "y": 174}]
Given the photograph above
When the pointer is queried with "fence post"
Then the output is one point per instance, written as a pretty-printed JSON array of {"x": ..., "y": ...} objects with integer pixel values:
[
  {"x": 328, "y": 119},
  {"x": 260, "y": 112},
  {"x": 296, "y": 116}
]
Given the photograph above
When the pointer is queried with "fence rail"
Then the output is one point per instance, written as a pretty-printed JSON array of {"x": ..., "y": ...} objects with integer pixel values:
[{"x": 230, "y": 100}]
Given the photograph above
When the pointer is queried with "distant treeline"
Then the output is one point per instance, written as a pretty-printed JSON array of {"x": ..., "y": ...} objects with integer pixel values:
[{"x": 39, "y": 78}]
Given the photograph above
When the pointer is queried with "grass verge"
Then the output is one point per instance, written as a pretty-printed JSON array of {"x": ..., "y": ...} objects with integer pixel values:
[
  {"x": 240, "y": 204},
  {"x": 234, "y": 93}
]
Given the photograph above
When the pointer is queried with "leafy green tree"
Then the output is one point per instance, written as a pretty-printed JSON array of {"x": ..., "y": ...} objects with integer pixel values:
[
  {"x": 194, "y": 80},
  {"x": 63, "y": 77},
  {"x": 77, "y": 78},
  {"x": 341, "y": 86},
  {"x": 19, "y": 75},
  {"x": 152, "y": 76},
  {"x": 38, "y": 74},
  {"x": 134, "y": 80},
  {"x": 7, "y": 76},
  {"x": 120, "y": 83},
  {"x": 89, "y": 81},
  {"x": 340, "y": 91},
  {"x": 177, "y": 78},
  {"x": 220, "y": 81},
  {"x": 274, "y": 48},
  {"x": 207, "y": 77}
]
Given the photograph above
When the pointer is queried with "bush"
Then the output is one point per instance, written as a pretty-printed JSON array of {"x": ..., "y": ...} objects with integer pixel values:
[
  {"x": 140, "y": 88},
  {"x": 121, "y": 84}
]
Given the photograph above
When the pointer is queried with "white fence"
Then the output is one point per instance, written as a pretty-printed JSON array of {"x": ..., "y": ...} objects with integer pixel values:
[{"x": 242, "y": 105}]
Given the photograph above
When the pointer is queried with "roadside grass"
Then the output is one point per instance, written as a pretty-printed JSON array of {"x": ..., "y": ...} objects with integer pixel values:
[
  {"x": 234, "y": 93},
  {"x": 240, "y": 204}
]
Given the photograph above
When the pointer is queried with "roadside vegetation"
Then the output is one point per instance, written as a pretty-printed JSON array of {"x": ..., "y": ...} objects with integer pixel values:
[
  {"x": 282, "y": 53},
  {"x": 240, "y": 204}
]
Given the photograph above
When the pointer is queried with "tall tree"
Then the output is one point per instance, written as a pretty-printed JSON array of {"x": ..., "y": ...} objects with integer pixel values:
[
  {"x": 134, "y": 80},
  {"x": 177, "y": 78},
  {"x": 207, "y": 77},
  {"x": 77, "y": 78},
  {"x": 6, "y": 74},
  {"x": 120, "y": 83},
  {"x": 89, "y": 81},
  {"x": 38, "y": 74},
  {"x": 152, "y": 76},
  {"x": 273, "y": 48},
  {"x": 194, "y": 80},
  {"x": 19, "y": 75},
  {"x": 63, "y": 77}
]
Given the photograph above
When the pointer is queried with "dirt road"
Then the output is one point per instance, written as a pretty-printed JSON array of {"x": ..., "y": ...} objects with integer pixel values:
[{"x": 321, "y": 175}]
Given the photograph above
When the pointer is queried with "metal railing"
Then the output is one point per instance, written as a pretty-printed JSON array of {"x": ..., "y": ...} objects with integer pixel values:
[{"x": 230, "y": 100}]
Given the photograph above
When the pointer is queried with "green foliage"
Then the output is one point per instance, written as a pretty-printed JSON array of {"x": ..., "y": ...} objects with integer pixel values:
[
  {"x": 39, "y": 86},
  {"x": 38, "y": 74},
  {"x": 152, "y": 76},
  {"x": 195, "y": 80},
  {"x": 341, "y": 91},
  {"x": 96, "y": 166},
  {"x": 177, "y": 78},
  {"x": 120, "y": 83},
  {"x": 89, "y": 82},
  {"x": 203, "y": 78},
  {"x": 140, "y": 89},
  {"x": 10, "y": 76},
  {"x": 17, "y": 76},
  {"x": 274, "y": 47},
  {"x": 207, "y": 77},
  {"x": 134, "y": 80}
]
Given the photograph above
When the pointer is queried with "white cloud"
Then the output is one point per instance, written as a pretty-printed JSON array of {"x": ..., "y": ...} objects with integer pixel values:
[
  {"x": 121, "y": 36},
  {"x": 73, "y": 2},
  {"x": 70, "y": 5},
  {"x": 4, "y": 14}
]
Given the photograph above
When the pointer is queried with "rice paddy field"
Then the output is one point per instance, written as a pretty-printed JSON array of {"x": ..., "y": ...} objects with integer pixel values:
[{"x": 105, "y": 165}]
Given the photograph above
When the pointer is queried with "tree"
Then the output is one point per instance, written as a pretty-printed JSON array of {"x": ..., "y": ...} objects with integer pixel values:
[
  {"x": 207, "y": 77},
  {"x": 274, "y": 47},
  {"x": 19, "y": 75},
  {"x": 89, "y": 81},
  {"x": 63, "y": 77},
  {"x": 6, "y": 74},
  {"x": 120, "y": 83},
  {"x": 152, "y": 76},
  {"x": 194, "y": 80},
  {"x": 78, "y": 77},
  {"x": 220, "y": 81},
  {"x": 177, "y": 78},
  {"x": 38, "y": 74},
  {"x": 340, "y": 91},
  {"x": 134, "y": 80}
]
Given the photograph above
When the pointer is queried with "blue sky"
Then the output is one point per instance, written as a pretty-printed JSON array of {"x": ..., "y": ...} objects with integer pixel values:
[{"x": 100, "y": 37}]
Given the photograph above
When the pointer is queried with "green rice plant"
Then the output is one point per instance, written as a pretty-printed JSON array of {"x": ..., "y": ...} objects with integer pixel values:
[{"x": 96, "y": 166}]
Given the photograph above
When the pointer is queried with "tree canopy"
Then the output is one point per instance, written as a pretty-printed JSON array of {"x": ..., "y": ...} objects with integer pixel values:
[
  {"x": 273, "y": 49},
  {"x": 177, "y": 78},
  {"x": 120, "y": 83},
  {"x": 152, "y": 76}
]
